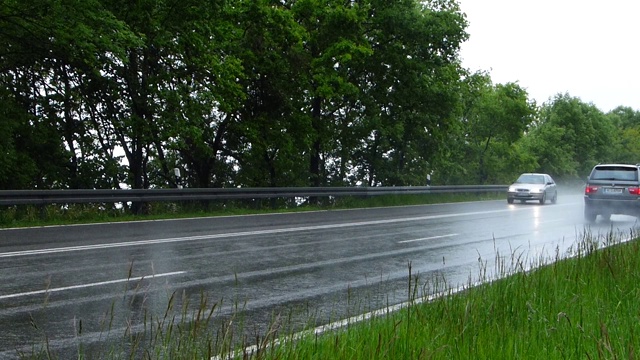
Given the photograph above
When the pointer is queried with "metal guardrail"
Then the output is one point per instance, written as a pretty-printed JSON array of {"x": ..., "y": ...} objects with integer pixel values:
[{"x": 43, "y": 197}]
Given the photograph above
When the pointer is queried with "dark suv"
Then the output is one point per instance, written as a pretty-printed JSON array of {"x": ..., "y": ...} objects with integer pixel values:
[{"x": 612, "y": 189}]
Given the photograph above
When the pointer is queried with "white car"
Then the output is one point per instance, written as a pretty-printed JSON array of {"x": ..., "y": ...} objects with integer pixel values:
[{"x": 533, "y": 186}]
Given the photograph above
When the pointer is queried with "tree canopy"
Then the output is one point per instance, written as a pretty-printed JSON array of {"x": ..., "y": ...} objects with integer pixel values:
[{"x": 113, "y": 93}]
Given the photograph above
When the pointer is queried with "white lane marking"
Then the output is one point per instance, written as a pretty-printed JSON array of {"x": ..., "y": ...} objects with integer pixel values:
[
  {"x": 549, "y": 221},
  {"x": 238, "y": 234},
  {"x": 427, "y": 238},
  {"x": 2, "y": 297}
]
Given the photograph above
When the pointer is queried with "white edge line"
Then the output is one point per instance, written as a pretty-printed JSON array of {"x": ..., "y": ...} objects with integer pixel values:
[
  {"x": 252, "y": 350},
  {"x": 46, "y": 291}
]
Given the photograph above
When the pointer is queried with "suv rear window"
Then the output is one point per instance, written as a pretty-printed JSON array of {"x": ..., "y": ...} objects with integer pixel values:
[{"x": 622, "y": 173}]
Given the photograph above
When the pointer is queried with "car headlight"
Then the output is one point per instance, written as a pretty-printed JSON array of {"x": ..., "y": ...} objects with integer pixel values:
[{"x": 512, "y": 189}]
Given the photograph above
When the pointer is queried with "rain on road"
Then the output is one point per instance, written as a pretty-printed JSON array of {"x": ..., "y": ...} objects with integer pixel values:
[{"x": 56, "y": 279}]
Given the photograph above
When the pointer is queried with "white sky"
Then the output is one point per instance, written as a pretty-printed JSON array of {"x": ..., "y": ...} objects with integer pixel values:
[{"x": 587, "y": 48}]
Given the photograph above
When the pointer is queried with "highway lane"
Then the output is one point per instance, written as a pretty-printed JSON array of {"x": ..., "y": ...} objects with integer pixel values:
[{"x": 329, "y": 263}]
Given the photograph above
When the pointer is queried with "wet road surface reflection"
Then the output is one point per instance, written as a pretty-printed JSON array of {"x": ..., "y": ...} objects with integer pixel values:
[{"x": 84, "y": 285}]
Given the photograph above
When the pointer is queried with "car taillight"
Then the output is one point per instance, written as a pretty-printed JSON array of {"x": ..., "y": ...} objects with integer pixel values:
[
  {"x": 634, "y": 191},
  {"x": 590, "y": 189}
]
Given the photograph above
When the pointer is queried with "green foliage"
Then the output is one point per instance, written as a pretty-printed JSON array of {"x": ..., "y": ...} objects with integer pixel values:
[
  {"x": 409, "y": 90},
  {"x": 494, "y": 118},
  {"x": 627, "y": 123},
  {"x": 268, "y": 139},
  {"x": 11, "y": 158},
  {"x": 570, "y": 137},
  {"x": 105, "y": 93},
  {"x": 33, "y": 156}
]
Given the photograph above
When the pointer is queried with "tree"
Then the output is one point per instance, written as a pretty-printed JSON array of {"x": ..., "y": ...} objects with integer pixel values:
[
  {"x": 32, "y": 155},
  {"x": 495, "y": 118},
  {"x": 247, "y": 93},
  {"x": 571, "y": 137},
  {"x": 334, "y": 41},
  {"x": 51, "y": 46},
  {"x": 410, "y": 89},
  {"x": 269, "y": 138},
  {"x": 627, "y": 123}
]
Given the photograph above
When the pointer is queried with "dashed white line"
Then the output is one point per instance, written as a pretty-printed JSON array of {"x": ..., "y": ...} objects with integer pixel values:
[
  {"x": 238, "y": 234},
  {"x": 427, "y": 238},
  {"x": 46, "y": 291}
]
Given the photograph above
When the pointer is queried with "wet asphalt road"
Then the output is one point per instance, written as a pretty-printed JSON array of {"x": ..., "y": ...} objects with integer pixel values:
[{"x": 61, "y": 281}]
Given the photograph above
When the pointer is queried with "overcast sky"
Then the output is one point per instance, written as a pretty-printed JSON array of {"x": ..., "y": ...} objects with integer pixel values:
[{"x": 589, "y": 49}]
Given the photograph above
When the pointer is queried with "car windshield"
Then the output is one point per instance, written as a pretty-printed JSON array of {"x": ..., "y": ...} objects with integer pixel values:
[
  {"x": 530, "y": 179},
  {"x": 615, "y": 173}
]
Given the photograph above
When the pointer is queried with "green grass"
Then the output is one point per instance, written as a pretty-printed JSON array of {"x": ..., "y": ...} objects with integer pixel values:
[{"x": 28, "y": 215}]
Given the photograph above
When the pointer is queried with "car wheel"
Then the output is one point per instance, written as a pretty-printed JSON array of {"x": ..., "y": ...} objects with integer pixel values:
[
  {"x": 510, "y": 200},
  {"x": 544, "y": 198},
  {"x": 589, "y": 215},
  {"x": 554, "y": 199}
]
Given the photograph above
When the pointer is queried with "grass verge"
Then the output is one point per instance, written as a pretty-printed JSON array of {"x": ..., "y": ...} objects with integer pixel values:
[{"x": 55, "y": 214}]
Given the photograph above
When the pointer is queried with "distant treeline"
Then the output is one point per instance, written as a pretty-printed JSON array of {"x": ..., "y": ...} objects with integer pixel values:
[{"x": 112, "y": 93}]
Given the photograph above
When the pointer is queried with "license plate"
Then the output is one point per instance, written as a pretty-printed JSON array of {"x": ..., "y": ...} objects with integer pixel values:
[{"x": 612, "y": 191}]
